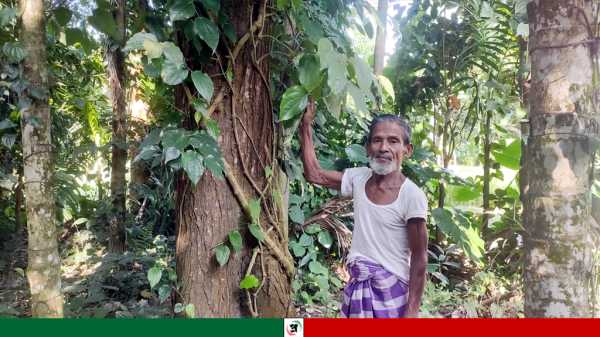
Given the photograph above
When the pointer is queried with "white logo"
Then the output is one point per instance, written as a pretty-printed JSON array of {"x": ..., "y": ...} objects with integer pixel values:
[{"x": 293, "y": 327}]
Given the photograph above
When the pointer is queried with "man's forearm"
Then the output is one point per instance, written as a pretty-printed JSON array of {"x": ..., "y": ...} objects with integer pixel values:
[
  {"x": 416, "y": 284},
  {"x": 309, "y": 157}
]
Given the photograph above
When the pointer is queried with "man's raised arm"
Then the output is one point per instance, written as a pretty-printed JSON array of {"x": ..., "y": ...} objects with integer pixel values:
[{"x": 312, "y": 170}]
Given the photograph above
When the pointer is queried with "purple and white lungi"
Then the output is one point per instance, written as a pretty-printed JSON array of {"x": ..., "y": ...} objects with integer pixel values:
[{"x": 373, "y": 292}]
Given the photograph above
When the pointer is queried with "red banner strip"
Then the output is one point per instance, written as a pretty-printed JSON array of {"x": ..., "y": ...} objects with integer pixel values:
[{"x": 315, "y": 327}]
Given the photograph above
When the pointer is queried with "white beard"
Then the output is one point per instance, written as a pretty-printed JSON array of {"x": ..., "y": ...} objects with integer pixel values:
[{"x": 381, "y": 169}]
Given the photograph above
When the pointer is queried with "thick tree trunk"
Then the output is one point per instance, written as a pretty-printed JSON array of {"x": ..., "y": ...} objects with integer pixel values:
[
  {"x": 561, "y": 255},
  {"x": 116, "y": 79},
  {"x": 43, "y": 268},
  {"x": 209, "y": 211},
  {"x": 379, "y": 59}
]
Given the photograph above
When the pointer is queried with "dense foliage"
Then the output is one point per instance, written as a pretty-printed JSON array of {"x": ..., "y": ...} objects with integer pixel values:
[{"x": 456, "y": 74}]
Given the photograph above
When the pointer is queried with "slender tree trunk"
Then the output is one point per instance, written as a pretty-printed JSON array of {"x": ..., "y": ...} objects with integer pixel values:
[
  {"x": 138, "y": 129},
  {"x": 43, "y": 268},
  {"x": 116, "y": 79},
  {"x": 19, "y": 203},
  {"x": 379, "y": 59},
  {"x": 210, "y": 210},
  {"x": 561, "y": 254},
  {"x": 486, "y": 171}
]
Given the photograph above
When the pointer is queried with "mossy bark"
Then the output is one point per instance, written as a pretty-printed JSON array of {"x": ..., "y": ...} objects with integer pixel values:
[
  {"x": 559, "y": 140},
  {"x": 116, "y": 80},
  {"x": 43, "y": 268}
]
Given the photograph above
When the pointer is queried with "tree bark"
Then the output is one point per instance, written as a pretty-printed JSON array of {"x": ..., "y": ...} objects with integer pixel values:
[
  {"x": 561, "y": 255},
  {"x": 116, "y": 79},
  {"x": 486, "y": 171},
  {"x": 43, "y": 268},
  {"x": 19, "y": 202},
  {"x": 379, "y": 59},
  {"x": 210, "y": 210}
]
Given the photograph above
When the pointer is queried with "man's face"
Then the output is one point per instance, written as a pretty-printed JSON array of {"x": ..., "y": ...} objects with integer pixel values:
[{"x": 386, "y": 149}]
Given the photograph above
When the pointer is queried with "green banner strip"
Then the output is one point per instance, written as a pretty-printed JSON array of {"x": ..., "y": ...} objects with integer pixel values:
[{"x": 141, "y": 327}]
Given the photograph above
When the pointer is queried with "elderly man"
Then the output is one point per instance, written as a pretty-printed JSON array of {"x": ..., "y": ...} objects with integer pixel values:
[{"x": 388, "y": 256}]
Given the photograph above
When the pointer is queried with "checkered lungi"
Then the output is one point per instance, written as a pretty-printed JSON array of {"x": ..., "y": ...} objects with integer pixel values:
[{"x": 373, "y": 292}]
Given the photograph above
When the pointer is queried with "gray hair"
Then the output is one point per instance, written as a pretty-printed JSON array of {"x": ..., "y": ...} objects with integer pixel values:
[{"x": 392, "y": 119}]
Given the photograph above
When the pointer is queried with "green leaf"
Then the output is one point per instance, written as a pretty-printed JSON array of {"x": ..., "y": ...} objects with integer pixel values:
[
  {"x": 298, "y": 250},
  {"x": 171, "y": 153},
  {"x": 296, "y": 214},
  {"x": 509, "y": 156},
  {"x": 203, "y": 84},
  {"x": 460, "y": 232},
  {"x": 254, "y": 206},
  {"x": 212, "y": 126},
  {"x": 323, "y": 282},
  {"x": 465, "y": 193},
  {"x": 317, "y": 268},
  {"x": 327, "y": 54},
  {"x": 205, "y": 144},
  {"x": 164, "y": 292},
  {"x": 229, "y": 30},
  {"x": 176, "y": 138},
  {"x": 7, "y": 15},
  {"x": 212, "y": 5},
  {"x": 357, "y": 153},
  {"x": 215, "y": 165},
  {"x": 235, "y": 238},
  {"x": 7, "y": 124},
  {"x": 256, "y": 231},
  {"x": 147, "y": 153},
  {"x": 387, "y": 86},
  {"x": 14, "y": 52},
  {"x": 305, "y": 240},
  {"x": 178, "y": 308},
  {"x": 80, "y": 221},
  {"x": 334, "y": 104},
  {"x": 153, "y": 49},
  {"x": 190, "y": 310},
  {"x": 369, "y": 29},
  {"x": 104, "y": 22},
  {"x": 325, "y": 239},
  {"x": 182, "y": 10},
  {"x": 307, "y": 258},
  {"x": 173, "y": 53},
  {"x": 152, "y": 68},
  {"x": 249, "y": 282},
  {"x": 192, "y": 164},
  {"x": 173, "y": 74},
  {"x": 137, "y": 41},
  {"x": 293, "y": 103},
  {"x": 364, "y": 78},
  {"x": 62, "y": 15},
  {"x": 282, "y": 4},
  {"x": 336, "y": 282},
  {"x": 336, "y": 76},
  {"x": 309, "y": 72},
  {"x": 358, "y": 96},
  {"x": 154, "y": 275},
  {"x": 207, "y": 31},
  {"x": 74, "y": 35},
  {"x": 222, "y": 254},
  {"x": 312, "y": 228},
  {"x": 8, "y": 140}
]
